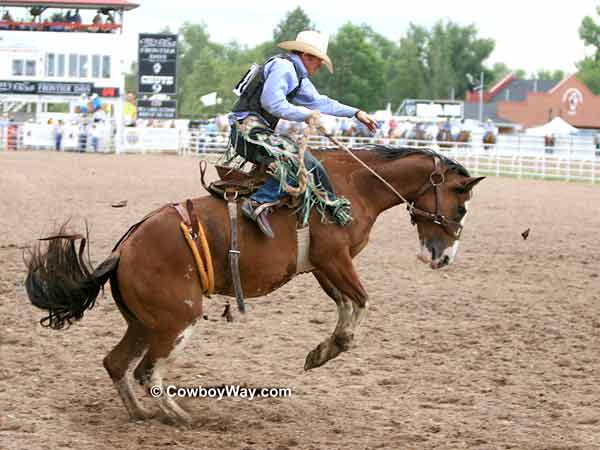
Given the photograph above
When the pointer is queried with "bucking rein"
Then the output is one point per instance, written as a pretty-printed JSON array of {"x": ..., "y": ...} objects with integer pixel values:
[{"x": 193, "y": 231}]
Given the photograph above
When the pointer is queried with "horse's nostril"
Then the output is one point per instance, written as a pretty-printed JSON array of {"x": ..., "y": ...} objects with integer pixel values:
[{"x": 445, "y": 261}]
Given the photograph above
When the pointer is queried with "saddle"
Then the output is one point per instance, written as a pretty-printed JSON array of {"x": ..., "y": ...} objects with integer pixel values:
[{"x": 234, "y": 183}]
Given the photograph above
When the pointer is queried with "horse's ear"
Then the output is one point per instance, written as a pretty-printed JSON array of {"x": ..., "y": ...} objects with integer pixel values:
[{"x": 469, "y": 183}]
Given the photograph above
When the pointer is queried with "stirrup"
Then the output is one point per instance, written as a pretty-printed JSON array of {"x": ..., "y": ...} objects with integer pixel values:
[{"x": 258, "y": 215}]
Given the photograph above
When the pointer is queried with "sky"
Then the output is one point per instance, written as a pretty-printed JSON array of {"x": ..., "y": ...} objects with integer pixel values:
[{"x": 529, "y": 34}]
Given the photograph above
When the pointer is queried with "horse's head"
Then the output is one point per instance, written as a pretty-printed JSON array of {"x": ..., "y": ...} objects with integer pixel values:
[{"x": 439, "y": 210}]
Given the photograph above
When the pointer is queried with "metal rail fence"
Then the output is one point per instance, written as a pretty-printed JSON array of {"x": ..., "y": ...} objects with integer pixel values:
[{"x": 571, "y": 158}]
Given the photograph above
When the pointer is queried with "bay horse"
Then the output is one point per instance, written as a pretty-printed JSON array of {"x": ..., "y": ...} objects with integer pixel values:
[
  {"x": 151, "y": 269},
  {"x": 489, "y": 140},
  {"x": 463, "y": 138},
  {"x": 418, "y": 137},
  {"x": 444, "y": 138}
]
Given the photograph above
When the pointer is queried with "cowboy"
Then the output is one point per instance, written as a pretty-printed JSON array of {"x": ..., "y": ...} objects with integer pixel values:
[
  {"x": 490, "y": 127},
  {"x": 280, "y": 89},
  {"x": 447, "y": 125}
]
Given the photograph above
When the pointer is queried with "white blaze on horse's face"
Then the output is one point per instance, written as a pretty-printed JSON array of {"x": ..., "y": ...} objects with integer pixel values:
[
  {"x": 450, "y": 253},
  {"x": 438, "y": 247}
]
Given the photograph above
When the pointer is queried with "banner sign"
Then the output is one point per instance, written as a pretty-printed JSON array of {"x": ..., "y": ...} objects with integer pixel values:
[
  {"x": 157, "y": 64},
  {"x": 451, "y": 109},
  {"x": 156, "y": 109},
  {"x": 45, "y": 88}
]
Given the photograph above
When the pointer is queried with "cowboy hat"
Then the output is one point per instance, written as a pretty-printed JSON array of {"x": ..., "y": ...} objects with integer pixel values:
[{"x": 311, "y": 42}]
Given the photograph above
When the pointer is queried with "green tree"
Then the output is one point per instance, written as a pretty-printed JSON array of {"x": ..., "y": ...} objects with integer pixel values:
[
  {"x": 359, "y": 68},
  {"x": 370, "y": 70},
  {"x": 544, "y": 74},
  {"x": 131, "y": 78},
  {"x": 434, "y": 64},
  {"x": 293, "y": 23},
  {"x": 589, "y": 31},
  {"x": 499, "y": 70},
  {"x": 588, "y": 71},
  {"x": 409, "y": 66},
  {"x": 589, "y": 67}
]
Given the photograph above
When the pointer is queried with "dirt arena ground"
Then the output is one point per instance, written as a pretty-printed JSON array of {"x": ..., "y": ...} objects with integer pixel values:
[{"x": 501, "y": 350}]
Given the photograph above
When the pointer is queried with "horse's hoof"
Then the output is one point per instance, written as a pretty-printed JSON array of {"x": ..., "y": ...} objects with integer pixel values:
[
  {"x": 143, "y": 415},
  {"x": 315, "y": 357},
  {"x": 179, "y": 420}
]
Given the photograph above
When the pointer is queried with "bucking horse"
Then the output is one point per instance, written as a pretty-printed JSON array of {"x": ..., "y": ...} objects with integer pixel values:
[{"x": 156, "y": 286}]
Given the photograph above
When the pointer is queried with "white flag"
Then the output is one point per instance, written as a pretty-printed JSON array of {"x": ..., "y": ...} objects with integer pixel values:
[{"x": 209, "y": 99}]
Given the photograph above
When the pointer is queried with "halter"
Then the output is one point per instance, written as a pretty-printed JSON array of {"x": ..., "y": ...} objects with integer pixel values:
[{"x": 436, "y": 178}]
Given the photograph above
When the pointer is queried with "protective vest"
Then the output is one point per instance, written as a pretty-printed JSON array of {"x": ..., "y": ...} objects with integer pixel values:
[{"x": 249, "y": 101}]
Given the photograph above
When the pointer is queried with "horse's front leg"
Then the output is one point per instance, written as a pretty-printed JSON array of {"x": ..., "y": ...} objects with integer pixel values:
[{"x": 344, "y": 287}]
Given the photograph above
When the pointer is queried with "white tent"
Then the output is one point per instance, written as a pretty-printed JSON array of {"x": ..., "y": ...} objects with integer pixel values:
[{"x": 556, "y": 126}]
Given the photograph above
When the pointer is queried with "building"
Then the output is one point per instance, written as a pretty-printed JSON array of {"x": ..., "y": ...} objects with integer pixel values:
[
  {"x": 55, "y": 51},
  {"x": 514, "y": 104}
]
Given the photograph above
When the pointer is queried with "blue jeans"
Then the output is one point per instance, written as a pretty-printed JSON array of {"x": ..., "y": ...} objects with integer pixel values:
[
  {"x": 270, "y": 191},
  {"x": 57, "y": 142}
]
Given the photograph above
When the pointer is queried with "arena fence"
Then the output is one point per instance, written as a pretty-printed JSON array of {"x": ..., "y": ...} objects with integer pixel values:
[{"x": 571, "y": 158}]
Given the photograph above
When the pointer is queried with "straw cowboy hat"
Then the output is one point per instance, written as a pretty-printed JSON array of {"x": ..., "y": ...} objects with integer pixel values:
[{"x": 311, "y": 42}]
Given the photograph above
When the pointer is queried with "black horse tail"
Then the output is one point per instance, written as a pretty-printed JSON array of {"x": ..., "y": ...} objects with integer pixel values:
[{"x": 62, "y": 281}]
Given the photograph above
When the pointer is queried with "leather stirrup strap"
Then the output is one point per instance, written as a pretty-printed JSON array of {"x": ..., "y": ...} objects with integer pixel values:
[
  {"x": 234, "y": 255},
  {"x": 194, "y": 220},
  {"x": 203, "y": 165}
]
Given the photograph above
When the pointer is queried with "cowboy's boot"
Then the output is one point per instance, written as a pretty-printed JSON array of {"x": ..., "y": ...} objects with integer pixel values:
[{"x": 258, "y": 213}]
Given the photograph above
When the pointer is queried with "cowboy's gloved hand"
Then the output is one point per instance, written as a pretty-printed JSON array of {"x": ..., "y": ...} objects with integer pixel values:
[
  {"x": 314, "y": 118},
  {"x": 367, "y": 120}
]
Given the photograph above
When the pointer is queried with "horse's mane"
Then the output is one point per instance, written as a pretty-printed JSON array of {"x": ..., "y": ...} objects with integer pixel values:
[
  {"x": 388, "y": 152},
  {"x": 391, "y": 153}
]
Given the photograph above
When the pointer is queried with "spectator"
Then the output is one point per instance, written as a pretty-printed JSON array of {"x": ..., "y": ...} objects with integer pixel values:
[
  {"x": 95, "y": 134},
  {"x": 56, "y": 19},
  {"x": 3, "y": 127},
  {"x": 549, "y": 141},
  {"x": 76, "y": 18},
  {"x": 97, "y": 20},
  {"x": 58, "y": 135},
  {"x": 12, "y": 135},
  {"x": 99, "y": 115},
  {"x": 82, "y": 136},
  {"x": 109, "y": 17},
  {"x": 392, "y": 126},
  {"x": 36, "y": 12},
  {"x": 7, "y": 17},
  {"x": 490, "y": 127},
  {"x": 129, "y": 111}
]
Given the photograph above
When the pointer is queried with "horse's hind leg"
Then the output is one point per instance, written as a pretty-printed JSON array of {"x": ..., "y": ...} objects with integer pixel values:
[
  {"x": 163, "y": 348},
  {"x": 121, "y": 359}
]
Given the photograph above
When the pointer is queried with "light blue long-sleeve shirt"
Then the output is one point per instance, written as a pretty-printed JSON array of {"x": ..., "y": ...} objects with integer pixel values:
[{"x": 280, "y": 80}]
